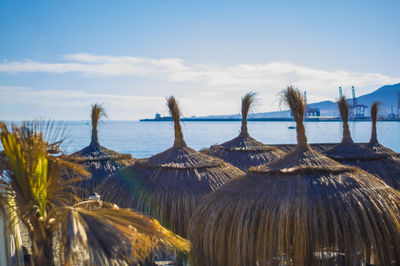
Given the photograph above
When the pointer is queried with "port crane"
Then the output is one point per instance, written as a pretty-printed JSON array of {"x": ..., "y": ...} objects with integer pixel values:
[
  {"x": 357, "y": 110},
  {"x": 398, "y": 105}
]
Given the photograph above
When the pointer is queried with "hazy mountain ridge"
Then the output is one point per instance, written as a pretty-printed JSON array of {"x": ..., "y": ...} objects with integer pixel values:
[{"x": 385, "y": 95}]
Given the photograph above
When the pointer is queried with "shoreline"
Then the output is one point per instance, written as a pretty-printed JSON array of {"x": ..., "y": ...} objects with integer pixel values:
[{"x": 168, "y": 119}]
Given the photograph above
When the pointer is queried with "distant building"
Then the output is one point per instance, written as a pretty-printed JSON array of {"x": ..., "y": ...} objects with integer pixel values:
[
  {"x": 309, "y": 110},
  {"x": 313, "y": 112}
]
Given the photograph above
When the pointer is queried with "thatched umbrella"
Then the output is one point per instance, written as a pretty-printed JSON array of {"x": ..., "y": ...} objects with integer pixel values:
[
  {"x": 374, "y": 144},
  {"x": 169, "y": 185},
  {"x": 244, "y": 151},
  {"x": 101, "y": 162},
  {"x": 302, "y": 209},
  {"x": 347, "y": 152},
  {"x": 319, "y": 147}
]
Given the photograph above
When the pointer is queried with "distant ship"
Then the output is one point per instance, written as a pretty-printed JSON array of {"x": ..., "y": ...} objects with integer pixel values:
[{"x": 157, "y": 118}]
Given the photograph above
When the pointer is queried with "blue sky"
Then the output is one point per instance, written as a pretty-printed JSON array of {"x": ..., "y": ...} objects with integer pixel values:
[{"x": 58, "y": 57}]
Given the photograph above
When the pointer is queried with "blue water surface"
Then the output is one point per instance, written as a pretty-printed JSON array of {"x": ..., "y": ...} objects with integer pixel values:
[{"x": 144, "y": 139}]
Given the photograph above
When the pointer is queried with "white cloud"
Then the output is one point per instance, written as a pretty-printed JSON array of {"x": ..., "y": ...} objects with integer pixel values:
[
  {"x": 73, "y": 104},
  {"x": 218, "y": 87},
  {"x": 176, "y": 70}
]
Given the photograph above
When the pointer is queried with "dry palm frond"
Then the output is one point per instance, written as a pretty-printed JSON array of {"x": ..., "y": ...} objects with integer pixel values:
[
  {"x": 97, "y": 113},
  {"x": 42, "y": 197},
  {"x": 27, "y": 165},
  {"x": 302, "y": 209},
  {"x": 244, "y": 151},
  {"x": 32, "y": 173},
  {"x": 344, "y": 113},
  {"x": 53, "y": 133},
  {"x": 103, "y": 233},
  {"x": 176, "y": 116},
  {"x": 247, "y": 102},
  {"x": 34, "y": 177}
]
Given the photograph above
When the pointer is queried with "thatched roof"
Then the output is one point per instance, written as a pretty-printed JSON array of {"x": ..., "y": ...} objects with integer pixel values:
[
  {"x": 302, "y": 209},
  {"x": 101, "y": 162},
  {"x": 319, "y": 147},
  {"x": 347, "y": 152},
  {"x": 169, "y": 185},
  {"x": 244, "y": 151},
  {"x": 374, "y": 144}
]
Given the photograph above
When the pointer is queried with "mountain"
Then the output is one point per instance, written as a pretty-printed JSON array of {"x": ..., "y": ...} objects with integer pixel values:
[{"x": 386, "y": 96}]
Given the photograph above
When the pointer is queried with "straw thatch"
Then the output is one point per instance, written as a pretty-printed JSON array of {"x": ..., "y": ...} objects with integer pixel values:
[
  {"x": 302, "y": 209},
  {"x": 319, "y": 147},
  {"x": 347, "y": 152},
  {"x": 374, "y": 144},
  {"x": 169, "y": 185},
  {"x": 244, "y": 151},
  {"x": 100, "y": 161}
]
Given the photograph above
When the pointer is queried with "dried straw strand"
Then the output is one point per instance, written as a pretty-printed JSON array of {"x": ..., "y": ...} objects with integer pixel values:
[
  {"x": 293, "y": 98},
  {"x": 247, "y": 102},
  {"x": 374, "y": 117},
  {"x": 97, "y": 112},
  {"x": 176, "y": 115},
  {"x": 344, "y": 113}
]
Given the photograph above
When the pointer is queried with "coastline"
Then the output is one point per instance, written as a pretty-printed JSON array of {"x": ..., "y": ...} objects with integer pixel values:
[{"x": 281, "y": 119}]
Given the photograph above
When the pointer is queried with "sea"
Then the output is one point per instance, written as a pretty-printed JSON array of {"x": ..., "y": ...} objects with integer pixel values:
[{"x": 144, "y": 139}]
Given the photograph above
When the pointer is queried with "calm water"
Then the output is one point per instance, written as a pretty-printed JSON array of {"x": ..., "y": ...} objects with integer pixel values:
[{"x": 143, "y": 139}]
